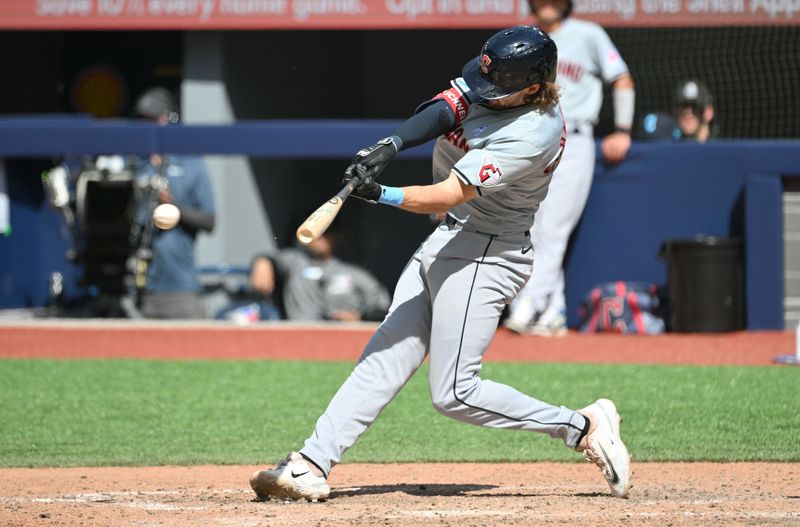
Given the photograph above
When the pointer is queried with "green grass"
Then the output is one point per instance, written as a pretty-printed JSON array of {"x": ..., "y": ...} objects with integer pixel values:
[{"x": 119, "y": 412}]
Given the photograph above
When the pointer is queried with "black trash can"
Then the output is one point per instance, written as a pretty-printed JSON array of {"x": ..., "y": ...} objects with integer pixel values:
[{"x": 706, "y": 283}]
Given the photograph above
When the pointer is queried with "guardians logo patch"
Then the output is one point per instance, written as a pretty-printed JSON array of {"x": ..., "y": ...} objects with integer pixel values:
[{"x": 490, "y": 171}]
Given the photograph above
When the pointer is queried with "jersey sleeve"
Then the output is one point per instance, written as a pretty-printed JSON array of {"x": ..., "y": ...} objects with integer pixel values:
[
  {"x": 500, "y": 165},
  {"x": 458, "y": 97},
  {"x": 608, "y": 59}
]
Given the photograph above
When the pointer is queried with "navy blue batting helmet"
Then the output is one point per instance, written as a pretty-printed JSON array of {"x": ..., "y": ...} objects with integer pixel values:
[{"x": 510, "y": 61}]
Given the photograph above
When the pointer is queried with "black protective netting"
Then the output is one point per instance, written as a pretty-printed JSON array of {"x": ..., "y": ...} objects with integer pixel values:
[{"x": 752, "y": 72}]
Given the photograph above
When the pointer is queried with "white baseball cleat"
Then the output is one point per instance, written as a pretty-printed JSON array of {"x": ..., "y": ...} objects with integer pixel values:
[
  {"x": 292, "y": 479},
  {"x": 604, "y": 447},
  {"x": 551, "y": 323},
  {"x": 516, "y": 325}
]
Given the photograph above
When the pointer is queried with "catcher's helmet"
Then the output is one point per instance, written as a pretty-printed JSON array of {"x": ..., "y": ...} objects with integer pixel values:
[
  {"x": 510, "y": 61},
  {"x": 564, "y": 14}
]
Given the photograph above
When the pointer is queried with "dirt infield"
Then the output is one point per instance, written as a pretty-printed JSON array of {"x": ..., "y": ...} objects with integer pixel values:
[
  {"x": 408, "y": 495},
  {"x": 82, "y": 339}
]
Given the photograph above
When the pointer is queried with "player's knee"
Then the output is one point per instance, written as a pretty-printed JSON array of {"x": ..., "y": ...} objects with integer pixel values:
[
  {"x": 444, "y": 399},
  {"x": 445, "y": 404},
  {"x": 452, "y": 402}
]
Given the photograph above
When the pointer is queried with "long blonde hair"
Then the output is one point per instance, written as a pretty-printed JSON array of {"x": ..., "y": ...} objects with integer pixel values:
[{"x": 546, "y": 97}]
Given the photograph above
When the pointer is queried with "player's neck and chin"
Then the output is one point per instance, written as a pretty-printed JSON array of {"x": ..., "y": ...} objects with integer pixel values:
[
  {"x": 550, "y": 25},
  {"x": 515, "y": 100},
  {"x": 547, "y": 103},
  {"x": 551, "y": 28},
  {"x": 494, "y": 106}
]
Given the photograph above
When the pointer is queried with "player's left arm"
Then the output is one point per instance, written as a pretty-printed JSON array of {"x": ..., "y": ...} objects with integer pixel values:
[
  {"x": 441, "y": 197},
  {"x": 421, "y": 199},
  {"x": 615, "y": 145},
  {"x": 431, "y": 119}
]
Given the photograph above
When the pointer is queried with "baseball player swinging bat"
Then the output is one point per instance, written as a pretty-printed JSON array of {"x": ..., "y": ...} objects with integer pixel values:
[
  {"x": 452, "y": 292},
  {"x": 319, "y": 221}
]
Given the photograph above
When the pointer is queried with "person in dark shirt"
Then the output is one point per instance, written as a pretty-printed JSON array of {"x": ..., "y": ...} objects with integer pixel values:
[
  {"x": 173, "y": 288},
  {"x": 311, "y": 283}
]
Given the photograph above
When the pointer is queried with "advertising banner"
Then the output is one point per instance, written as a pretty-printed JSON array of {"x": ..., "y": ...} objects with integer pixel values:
[{"x": 377, "y": 14}]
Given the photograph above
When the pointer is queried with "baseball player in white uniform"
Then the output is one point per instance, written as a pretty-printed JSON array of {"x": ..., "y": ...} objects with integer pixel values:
[
  {"x": 586, "y": 59},
  {"x": 500, "y": 137}
]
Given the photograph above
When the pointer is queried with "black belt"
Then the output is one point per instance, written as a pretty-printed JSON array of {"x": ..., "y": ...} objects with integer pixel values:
[{"x": 575, "y": 128}]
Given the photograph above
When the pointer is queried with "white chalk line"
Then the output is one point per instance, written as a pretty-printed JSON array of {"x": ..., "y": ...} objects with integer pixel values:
[
  {"x": 114, "y": 499},
  {"x": 117, "y": 499}
]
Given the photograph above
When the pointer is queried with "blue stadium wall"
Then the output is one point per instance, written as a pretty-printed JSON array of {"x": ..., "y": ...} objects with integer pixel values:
[{"x": 662, "y": 191}]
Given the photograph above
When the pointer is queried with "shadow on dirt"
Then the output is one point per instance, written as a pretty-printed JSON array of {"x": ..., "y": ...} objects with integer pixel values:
[
  {"x": 412, "y": 490},
  {"x": 438, "y": 489}
]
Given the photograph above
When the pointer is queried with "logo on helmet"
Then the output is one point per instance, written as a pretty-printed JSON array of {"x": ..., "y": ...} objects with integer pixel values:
[{"x": 485, "y": 61}]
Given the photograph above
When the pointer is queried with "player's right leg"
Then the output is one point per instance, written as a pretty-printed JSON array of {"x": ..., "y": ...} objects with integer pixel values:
[
  {"x": 469, "y": 297},
  {"x": 395, "y": 352}
]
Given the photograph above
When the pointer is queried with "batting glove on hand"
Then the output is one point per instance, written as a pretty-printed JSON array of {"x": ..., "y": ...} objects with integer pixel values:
[
  {"x": 367, "y": 189},
  {"x": 375, "y": 158}
]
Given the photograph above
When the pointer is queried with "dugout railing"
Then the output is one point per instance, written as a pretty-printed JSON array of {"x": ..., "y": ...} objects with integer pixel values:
[{"x": 662, "y": 191}]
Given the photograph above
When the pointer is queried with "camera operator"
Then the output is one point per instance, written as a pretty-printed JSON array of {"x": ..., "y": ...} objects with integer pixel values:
[{"x": 172, "y": 288}]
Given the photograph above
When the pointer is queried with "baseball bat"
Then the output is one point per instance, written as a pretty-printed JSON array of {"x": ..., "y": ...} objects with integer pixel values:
[{"x": 319, "y": 221}]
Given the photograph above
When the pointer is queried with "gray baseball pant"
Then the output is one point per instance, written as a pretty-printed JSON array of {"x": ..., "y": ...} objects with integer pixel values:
[{"x": 447, "y": 304}]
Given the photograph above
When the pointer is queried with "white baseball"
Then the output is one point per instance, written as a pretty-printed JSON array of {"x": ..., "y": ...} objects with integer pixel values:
[{"x": 166, "y": 216}]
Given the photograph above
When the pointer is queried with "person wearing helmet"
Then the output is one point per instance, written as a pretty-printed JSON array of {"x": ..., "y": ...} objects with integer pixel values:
[
  {"x": 500, "y": 138},
  {"x": 587, "y": 59},
  {"x": 694, "y": 111},
  {"x": 172, "y": 287},
  {"x": 691, "y": 117}
]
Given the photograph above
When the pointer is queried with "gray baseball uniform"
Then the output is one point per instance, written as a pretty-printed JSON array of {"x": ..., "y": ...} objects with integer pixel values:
[
  {"x": 449, "y": 298},
  {"x": 586, "y": 59}
]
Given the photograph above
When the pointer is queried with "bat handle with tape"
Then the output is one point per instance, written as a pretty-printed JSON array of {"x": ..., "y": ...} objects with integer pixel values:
[{"x": 319, "y": 221}]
